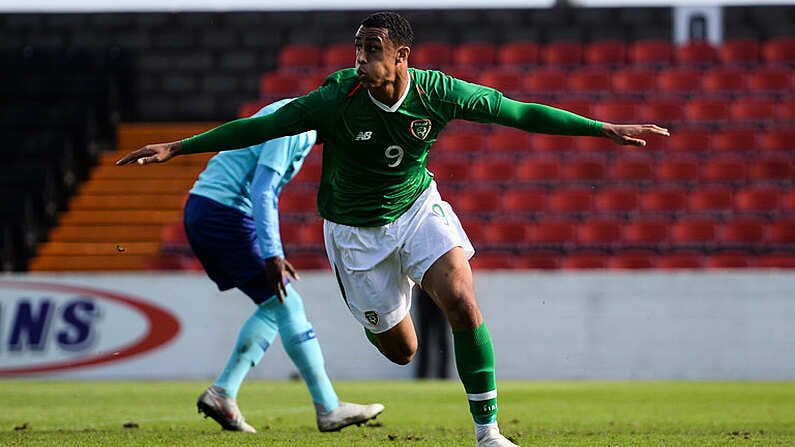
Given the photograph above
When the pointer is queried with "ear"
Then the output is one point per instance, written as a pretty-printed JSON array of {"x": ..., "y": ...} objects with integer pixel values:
[{"x": 402, "y": 55}]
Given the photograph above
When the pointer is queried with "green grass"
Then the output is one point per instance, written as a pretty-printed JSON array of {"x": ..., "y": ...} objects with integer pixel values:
[{"x": 432, "y": 413}]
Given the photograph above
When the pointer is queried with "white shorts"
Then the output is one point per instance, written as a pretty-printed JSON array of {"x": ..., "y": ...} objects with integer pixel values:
[{"x": 375, "y": 266}]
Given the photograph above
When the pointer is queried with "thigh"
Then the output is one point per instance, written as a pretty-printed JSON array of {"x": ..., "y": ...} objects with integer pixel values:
[{"x": 449, "y": 282}]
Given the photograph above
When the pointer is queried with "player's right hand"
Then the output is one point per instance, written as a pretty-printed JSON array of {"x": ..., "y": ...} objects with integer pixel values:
[
  {"x": 277, "y": 270},
  {"x": 152, "y": 153}
]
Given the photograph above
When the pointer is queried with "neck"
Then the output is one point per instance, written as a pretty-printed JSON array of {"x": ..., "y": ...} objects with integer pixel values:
[{"x": 390, "y": 92}]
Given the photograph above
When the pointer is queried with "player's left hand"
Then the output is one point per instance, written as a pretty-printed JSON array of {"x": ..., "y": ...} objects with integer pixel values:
[
  {"x": 277, "y": 270},
  {"x": 627, "y": 134}
]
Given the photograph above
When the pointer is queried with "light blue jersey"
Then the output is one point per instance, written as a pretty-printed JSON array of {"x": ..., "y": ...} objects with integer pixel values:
[{"x": 250, "y": 179}]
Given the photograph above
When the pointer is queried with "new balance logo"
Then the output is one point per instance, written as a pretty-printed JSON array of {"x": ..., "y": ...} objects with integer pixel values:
[{"x": 363, "y": 136}]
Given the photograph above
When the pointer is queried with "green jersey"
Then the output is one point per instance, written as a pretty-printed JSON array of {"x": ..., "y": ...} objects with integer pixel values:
[{"x": 374, "y": 155}]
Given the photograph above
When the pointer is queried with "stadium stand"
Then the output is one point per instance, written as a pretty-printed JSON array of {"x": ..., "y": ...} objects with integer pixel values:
[{"x": 717, "y": 194}]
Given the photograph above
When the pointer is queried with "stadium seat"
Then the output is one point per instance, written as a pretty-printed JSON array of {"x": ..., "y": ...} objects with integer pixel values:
[
  {"x": 550, "y": 232},
  {"x": 601, "y": 233},
  {"x": 696, "y": 53},
  {"x": 729, "y": 259},
  {"x": 610, "y": 53},
  {"x": 617, "y": 200},
  {"x": 299, "y": 57},
  {"x": 709, "y": 112},
  {"x": 578, "y": 106},
  {"x": 294, "y": 200},
  {"x": 462, "y": 142},
  {"x": 774, "y": 169},
  {"x": 779, "y": 140},
  {"x": 663, "y": 200},
  {"x": 724, "y": 82},
  {"x": 678, "y": 170},
  {"x": 570, "y": 201},
  {"x": 545, "y": 81},
  {"x": 680, "y": 260},
  {"x": 584, "y": 260},
  {"x": 562, "y": 53},
  {"x": 679, "y": 81},
  {"x": 631, "y": 170},
  {"x": 634, "y": 81},
  {"x": 509, "y": 140},
  {"x": 493, "y": 260},
  {"x": 492, "y": 170},
  {"x": 784, "y": 113},
  {"x": 432, "y": 55},
  {"x": 476, "y": 200},
  {"x": 689, "y": 141},
  {"x": 475, "y": 229},
  {"x": 646, "y": 232},
  {"x": 752, "y": 112},
  {"x": 538, "y": 260},
  {"x": 756, "y": 200},
  {"x": 519, "y": 54},
  {"x": 694, "y": 231},
  {"x": 788, "y": 201},
  {"x": 652, "y": 52},
  {"x": 553, "y": 143},
  {"x": 740, "y": 51},
  {"x": 781, "y": 260},
  {"x": 249, "y": 108},
  {"x": 779, "y": 50},
  {"x": 274, "y": 84},
  {"x": 508, "y": 80},
  {"x": 173, "y": 237},
  {"x": 309, "y": 261},
  {"x": 507, "y": 232},
  {"x": 337, "y": 56},
  {"x": 537, "y": 170},
  {"x": 616, "y": 111},
  {"x": 742, "y": 231},
  {"x": 770, "y": 81},
  {"x": 592, "y": 83},
  {"x": 713, "y": 199},
  {"x": 632, "y": 260},
  {"x": 734, "y": 140},
  {"x": 445, "y": 170},
  {"x": 589, "y": 170},
  {"x": 661, "y": 111},
  {"x": 781, "y": 232},
  {"x": 475, "y": 54},
  {"x": 516, "y": 201},
  {"x": 596, "y": 144}
]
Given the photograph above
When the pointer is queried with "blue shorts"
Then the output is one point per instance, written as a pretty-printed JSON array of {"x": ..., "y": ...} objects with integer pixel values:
[{"x": 225, "y": 241}]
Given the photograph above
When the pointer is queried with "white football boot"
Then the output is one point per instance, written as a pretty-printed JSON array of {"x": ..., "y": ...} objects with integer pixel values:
[
  {"x": 215, "y": 404},
  {"x": 346, "y": 414},
  {"x": 493, "y": 438}
]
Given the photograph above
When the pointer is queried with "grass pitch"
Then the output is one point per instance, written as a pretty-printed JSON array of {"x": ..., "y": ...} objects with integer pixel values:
[{"x": 427, "y": 413}]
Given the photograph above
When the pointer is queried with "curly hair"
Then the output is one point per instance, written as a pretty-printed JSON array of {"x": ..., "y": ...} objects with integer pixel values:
[{"x": 399, "y": 28}]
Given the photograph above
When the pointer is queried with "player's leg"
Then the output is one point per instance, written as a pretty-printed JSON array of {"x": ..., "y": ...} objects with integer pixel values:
[{"x": 301, "y": 344}]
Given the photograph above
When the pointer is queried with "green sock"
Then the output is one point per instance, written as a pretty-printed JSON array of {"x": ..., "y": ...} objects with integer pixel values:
[{"x": 474, "y": 357}]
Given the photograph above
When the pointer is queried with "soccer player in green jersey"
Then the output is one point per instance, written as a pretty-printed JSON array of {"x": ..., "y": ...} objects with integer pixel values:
[{"x": 385, "y": 223}]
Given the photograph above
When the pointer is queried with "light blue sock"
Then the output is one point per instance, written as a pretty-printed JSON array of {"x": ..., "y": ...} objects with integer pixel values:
[
  {"x": 253, "y": 340},
  {"x": 302, "y": 346}
]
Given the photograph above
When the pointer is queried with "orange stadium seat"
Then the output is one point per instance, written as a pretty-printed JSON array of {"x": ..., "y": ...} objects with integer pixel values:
[
  {"x": 680, "y": 260},
  {"x": 300, "y": 56},
  {"x": 779, "y": 50},
  {"x": 312, "y": 80},
  {"x": 477, "y": 54},
  {"x": 654, "y": 52},
  {"x": 520, "y": 54},
  {"x": 646, "y": 232},
  {"x": 432, "y": 55},
  {"x": 578, "y": 106},
  {"x": 785, "y": 112},
  {"x": 563, "y": 53},
  {"x": 740, "y": 51},
  {"x": 293, "y": 200},
  {"x": 632, "y": 260},
  {"x": 696, "y": 52},
  {"x": 249, "y": 108},
  {"x": 605, "y": 53}
]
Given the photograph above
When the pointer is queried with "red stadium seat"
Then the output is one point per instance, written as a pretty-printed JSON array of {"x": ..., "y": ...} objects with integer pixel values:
[
  {"x": 759, "y": 200},
  {"x": 663, "y": 200},
  {"x": 449, "y": 170},
  {"x": 562, "y": 53},
  {"x": 728, "y": 171},
  {"x": 338, "y": 56},
  {"x": 552, "y": 232},
  {"x": 740, "y": 51},
  {"x": 432, "y": 55},
  {"x": 679, "y": 81},
  {"x": 731, "y": 140},
  {"x": 300, "y": 57},
  {"x": 477, "y": 54},
  {"x": 520, "y": 54},
  {"x": 680, "y": 260},
  {"x": 781, "y": 232},
  {"x": 776, "y": 260},
  {"x": 585, "y": 260},
  {"x": 682, "y": 170},
  {"x": 616, "y": 111},
  {"x": 770, "y": 81},
  {"x": 293, "y": 200},
  {"x": 779, "y": 50},
  {"x": 311, "y": 233},
  {"x": 779, "y": 140},
  {"x": 689, "y": 141},
  {"x": 596, "y": 144},
  {"x": 593, "y": 82},
  {"x": 635, "y": 81},
  {"x": 507, "y": 80},
  {"x": 570, "y": 200},
  {"x": 771, "y": 170},
  {"x": 599, "y": 232},
  {"x": 524, "y": 201},
  {"x": 463, "y": 142},
  {"x": 545, "y": 81},
  {"x": 788, "y": 201},
  {"x": 493, "y": 260},
  {"x": 785, "y": 112},
  {"x": 656, "y": 52},
  {"x": 632, "y": 170},
  {"x": 580, "y": 107},
  {"x": 710, "y": 200},
  {"x": 707, "y": 111},
  {"x": 507, "y": 139},
  {"x": 309, "y": 261},
  {"x": 507, "y": 232},
  {"x": 744, "y": 231},
  {"x": 249, "y": 108},
  {"x": 476, "y": 200},
  {"x": 661, "y": 111},
  {"x": 538, "y": 260},
  {"x": 533, "y": 170},
  {"x": 696, "y": 52},
  {"x": 490, "y": 170},
  {"x": 553, "y": 143},
  {"x": 632, "y": 260},
  {"x": 313, "y": 80},
  {"x": 693, "y": 231},
  {"x": 475, "y": 229},
  {"x": 646, "y": 232},
  {"x": 583, "y": 170},
  {"x": 728, "y": 260},
  {"x": 617, "y": 200},
  {"x": 605, "y": 53},
  {"x": 728, "y": 82},
  {"x": 757, "y": 112},
  {"x": 173, "y": 237},
  {"x": 280, "y": 84}
]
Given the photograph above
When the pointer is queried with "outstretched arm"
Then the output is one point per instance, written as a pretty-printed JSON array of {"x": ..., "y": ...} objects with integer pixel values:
[{"x": 550, "y": 120}]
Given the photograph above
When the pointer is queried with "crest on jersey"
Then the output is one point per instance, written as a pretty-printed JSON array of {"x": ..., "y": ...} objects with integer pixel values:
[
  {"x": 372, "y": 317},
  {"x": 421, "y": 128}
]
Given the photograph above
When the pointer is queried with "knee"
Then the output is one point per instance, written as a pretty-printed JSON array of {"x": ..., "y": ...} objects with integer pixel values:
[
  {"x": 403, "y": 357},
  {"x": 462, "y": 311},
  {"x": 400, "y": 353}
]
